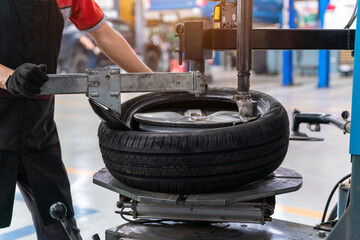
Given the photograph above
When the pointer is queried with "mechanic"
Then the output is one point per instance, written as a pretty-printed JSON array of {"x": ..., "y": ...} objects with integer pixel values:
[{"x": 30, "y": 36}]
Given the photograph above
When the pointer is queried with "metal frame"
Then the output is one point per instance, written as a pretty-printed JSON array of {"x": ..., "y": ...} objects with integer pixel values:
[
  {"x": 252, "y": 203},
  {"x": 280, "y": 39},
  {"x": 349, "y": 224},
  {"x": 106, "y": 85},
  {"x": 238, "y": 212},
  {"x": 344, "y": 190},
  {"x": 283, "y": 181}
]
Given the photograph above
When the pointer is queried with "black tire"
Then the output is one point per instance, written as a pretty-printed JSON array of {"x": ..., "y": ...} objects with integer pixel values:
[{"x": 200, "y": 161}]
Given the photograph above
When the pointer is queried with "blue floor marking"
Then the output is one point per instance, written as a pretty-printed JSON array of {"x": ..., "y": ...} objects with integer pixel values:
[
  {"x": 19, "y": 233},
  {"x": 28, "y": 230},
  {"x": 83, "y": 212}
]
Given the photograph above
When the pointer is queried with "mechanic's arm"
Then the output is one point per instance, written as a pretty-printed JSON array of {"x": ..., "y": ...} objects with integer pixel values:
[
  {"x": 117, "y": 49},
  {"x": 4, "y": 75},
  {"x": 25, "y": 80}
]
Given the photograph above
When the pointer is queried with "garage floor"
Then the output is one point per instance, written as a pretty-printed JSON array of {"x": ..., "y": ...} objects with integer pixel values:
[{"x": 322, "y": 164}]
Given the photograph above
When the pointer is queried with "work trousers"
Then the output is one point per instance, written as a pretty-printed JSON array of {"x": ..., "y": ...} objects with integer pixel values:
[{"x": 43, "y": 232}]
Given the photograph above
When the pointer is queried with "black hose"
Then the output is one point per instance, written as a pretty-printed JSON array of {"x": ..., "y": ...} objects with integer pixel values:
[
  {"x": 353, "y": 17},
  {"x": 139, "y": 221},
  {"x": 331, "y": 195}
]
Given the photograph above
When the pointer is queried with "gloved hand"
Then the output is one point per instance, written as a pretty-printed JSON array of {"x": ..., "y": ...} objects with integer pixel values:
[{"x": 27, "y": 80}]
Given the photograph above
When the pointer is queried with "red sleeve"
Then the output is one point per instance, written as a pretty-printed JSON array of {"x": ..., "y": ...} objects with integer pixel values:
[{"x": 86, "y": 14}]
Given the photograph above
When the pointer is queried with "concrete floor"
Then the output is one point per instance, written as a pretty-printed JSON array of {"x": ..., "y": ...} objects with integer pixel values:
[{"x": 322, "y": 164}]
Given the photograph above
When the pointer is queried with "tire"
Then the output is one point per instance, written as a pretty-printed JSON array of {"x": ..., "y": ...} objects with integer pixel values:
[{"x": 200, "y": 161}]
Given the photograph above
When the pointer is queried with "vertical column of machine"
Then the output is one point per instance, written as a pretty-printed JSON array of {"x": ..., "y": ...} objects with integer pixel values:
[
  {"x": 244, "y": 50},
  {"x": 348, "y": 225},
  {"x": 247, "y": 107},
  {"x": 354, "y": 208}
]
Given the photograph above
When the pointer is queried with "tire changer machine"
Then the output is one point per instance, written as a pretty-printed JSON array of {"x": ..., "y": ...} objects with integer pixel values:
[{"x": 245, "y": 212}]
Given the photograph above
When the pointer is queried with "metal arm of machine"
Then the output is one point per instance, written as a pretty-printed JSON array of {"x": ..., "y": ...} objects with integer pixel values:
[
  {"x": 262, "y": 39},
  {"x": 247, "y": 107},
  {"x": 319, "y": 118},
  {"x": 243, "y": 45},
  {"x": 314, "y": 120},
  {"x": 106, "y": 85},
  {"x": 282, "y": 39},
  {"x": 231, "y": 29}
]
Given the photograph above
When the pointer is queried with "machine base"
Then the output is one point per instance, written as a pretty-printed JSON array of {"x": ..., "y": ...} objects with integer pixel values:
[
  {"x": 251, "y": 203},
  {"x": 282, "y": 181},
  {"x": 277, "y": 229}
]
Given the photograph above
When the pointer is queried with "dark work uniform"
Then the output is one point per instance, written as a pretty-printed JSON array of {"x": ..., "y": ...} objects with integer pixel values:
[{"x": 30, "y": 32}]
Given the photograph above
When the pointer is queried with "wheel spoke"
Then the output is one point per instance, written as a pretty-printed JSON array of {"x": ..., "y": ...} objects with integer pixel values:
[{"x": 189, "y": 117}]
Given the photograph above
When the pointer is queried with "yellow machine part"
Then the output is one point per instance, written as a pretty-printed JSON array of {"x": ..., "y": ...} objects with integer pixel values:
[
  {"x": 127, "y": 10},
  {"x": 217, "y": 13}
]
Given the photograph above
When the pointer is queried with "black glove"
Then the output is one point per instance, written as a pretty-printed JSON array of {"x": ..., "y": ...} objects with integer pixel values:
[{"x": 27, "y": 80}]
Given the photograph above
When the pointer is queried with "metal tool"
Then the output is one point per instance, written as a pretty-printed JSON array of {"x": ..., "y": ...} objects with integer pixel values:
[
  {"x": 111, "y": 118},
  {"x": 58, "y": 211},
  {"x": 105, "y": 86},
  {"x": 314, "y": 120}
]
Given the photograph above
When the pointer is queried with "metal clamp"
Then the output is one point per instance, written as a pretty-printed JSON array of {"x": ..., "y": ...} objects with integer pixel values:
[{"x": 104, "y": 87}]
